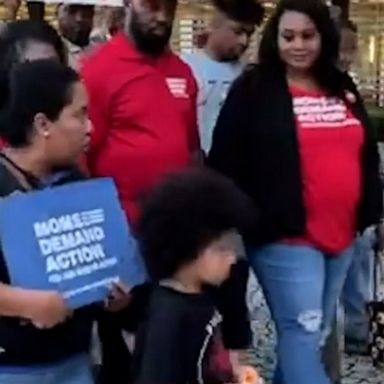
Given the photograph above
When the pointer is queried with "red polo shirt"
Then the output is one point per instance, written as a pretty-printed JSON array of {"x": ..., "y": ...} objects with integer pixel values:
[{"x": 143, "y": 113}]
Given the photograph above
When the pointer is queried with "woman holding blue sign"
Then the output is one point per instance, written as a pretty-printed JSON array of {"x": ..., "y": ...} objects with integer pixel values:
[{"x": 45, "y": 126}]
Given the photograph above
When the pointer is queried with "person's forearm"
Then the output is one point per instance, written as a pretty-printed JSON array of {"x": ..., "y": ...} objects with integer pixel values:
[
  {"x": 231, "y": 302},
  {"x": 14, "y": 302}
]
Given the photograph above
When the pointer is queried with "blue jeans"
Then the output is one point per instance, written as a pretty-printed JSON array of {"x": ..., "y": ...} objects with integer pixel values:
[
  {"x": 302, "y": 286},
  {"x": 357, "y": 288},
  {"x": 73, "y": 371}
]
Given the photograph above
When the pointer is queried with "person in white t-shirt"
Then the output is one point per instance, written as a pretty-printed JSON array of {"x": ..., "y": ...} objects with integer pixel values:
[
  {"x": 218, "y": 64},
  {"x": 215, "y": 66},
  {"x": 75, "y": 26}
]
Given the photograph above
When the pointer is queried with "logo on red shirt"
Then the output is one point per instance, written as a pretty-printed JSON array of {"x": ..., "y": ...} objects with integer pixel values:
[{"x": 178, "y": 87}]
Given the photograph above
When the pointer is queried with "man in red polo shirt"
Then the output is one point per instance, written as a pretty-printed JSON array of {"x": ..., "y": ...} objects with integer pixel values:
[{"x": 142, "y": 104}]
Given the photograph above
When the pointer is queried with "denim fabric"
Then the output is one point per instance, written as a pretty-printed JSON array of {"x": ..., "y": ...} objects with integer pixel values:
[
  {"x": 73, "y": 371},
  {"x": 358, "y": 288},
  {"x": 302, "y": 286}
]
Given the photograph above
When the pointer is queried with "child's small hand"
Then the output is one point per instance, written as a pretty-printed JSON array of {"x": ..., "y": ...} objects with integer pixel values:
[
  {"x": 238, "y": 359},
  {"x": 249, "y": 375}
]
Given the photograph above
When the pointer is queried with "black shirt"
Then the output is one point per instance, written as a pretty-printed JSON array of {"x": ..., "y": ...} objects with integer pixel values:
[
  {"x": 180, "y": 341},
  {"x": 22, "y": 344},
  {"x": 255, "y": 144}
]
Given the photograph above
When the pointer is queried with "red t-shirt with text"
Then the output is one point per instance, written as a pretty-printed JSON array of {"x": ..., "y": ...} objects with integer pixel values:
[{"x": 330, "y": 141}]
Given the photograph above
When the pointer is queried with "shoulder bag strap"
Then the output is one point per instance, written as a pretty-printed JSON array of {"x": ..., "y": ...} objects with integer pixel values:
[{"x": 16, "y": 173}]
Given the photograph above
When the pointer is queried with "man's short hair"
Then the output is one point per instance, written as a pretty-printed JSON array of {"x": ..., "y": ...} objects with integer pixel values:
[{"x": 244, "y": 11}]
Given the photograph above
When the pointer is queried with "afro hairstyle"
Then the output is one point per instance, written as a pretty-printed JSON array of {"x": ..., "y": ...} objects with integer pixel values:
[{"x": 184, "y": 214}]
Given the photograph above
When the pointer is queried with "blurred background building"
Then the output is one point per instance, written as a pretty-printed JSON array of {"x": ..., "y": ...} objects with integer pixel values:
[{"x": 367, "y": 14}]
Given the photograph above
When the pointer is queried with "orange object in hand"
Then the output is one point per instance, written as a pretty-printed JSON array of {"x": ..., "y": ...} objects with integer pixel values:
[{"x": 249, "y": 375}]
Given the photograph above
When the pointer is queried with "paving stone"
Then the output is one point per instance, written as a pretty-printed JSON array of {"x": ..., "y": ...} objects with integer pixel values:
[{"x": 356, "y": 370}]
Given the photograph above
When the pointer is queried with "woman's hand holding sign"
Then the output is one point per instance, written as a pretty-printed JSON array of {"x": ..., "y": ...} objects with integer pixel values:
[
  {"x": 47, "y": 309},
  {"x": 119, "y": 298},
  {"x": 44, "y": 309}
]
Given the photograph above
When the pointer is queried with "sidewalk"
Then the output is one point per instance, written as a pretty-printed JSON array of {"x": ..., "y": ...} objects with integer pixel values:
[{"x": 357, "y": 370}]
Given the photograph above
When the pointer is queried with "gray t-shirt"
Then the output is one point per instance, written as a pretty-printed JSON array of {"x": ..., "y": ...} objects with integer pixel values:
[{"x": 214, "y": 80}]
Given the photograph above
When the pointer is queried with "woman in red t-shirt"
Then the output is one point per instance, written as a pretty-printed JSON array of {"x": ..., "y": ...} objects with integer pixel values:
[{"x": 295, "y": 136}]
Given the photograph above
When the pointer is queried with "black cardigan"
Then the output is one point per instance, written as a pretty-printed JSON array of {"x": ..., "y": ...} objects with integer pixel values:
[{"x": 255, "y": 143}]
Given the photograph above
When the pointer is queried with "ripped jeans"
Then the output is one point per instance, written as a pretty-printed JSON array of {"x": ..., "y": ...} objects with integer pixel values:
[{"x": 302, "y": 286}]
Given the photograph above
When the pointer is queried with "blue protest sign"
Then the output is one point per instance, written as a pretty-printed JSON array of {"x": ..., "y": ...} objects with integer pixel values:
[{"x": 73, "y": 238}]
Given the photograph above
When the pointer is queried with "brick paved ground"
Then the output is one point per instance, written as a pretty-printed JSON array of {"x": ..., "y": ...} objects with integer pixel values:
[{"x": 357, "y": 370}]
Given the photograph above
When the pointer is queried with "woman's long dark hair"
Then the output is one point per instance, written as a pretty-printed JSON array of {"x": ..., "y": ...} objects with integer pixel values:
[{"x": 325, "y": 69}]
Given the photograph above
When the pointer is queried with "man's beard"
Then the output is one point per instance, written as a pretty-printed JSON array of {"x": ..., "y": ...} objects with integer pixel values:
[
  {"x": 147, "y": 42},
  {"x": 233, "y": 55},
  {"x": 79, "y": 38},
  {"x": 82, "y": 39}
]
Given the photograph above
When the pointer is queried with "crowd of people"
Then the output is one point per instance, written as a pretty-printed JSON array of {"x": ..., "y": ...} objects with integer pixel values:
[{"x": 221, "y": 168}]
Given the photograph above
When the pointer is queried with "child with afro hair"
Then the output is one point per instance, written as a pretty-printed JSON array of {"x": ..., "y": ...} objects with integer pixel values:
[{"x": 188, "y": 235}]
